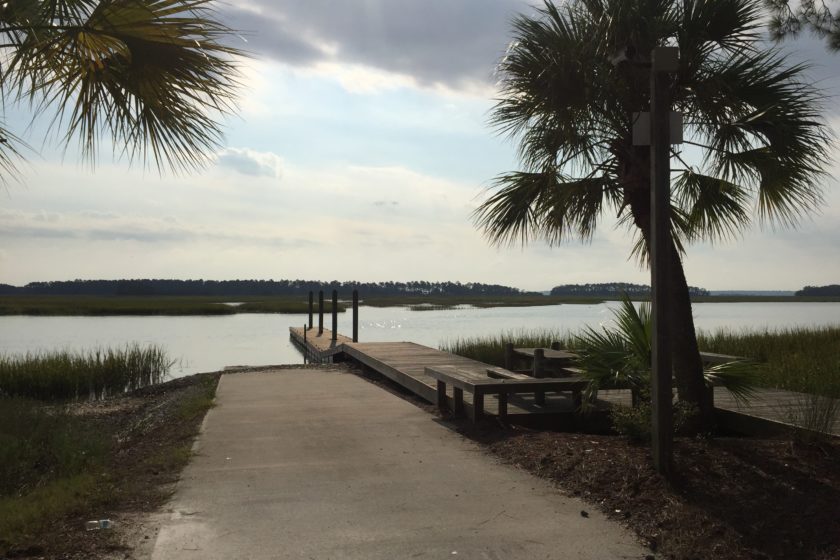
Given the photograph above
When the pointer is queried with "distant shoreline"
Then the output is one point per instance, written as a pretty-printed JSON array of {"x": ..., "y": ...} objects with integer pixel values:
[{"x": 104, "y": 306}]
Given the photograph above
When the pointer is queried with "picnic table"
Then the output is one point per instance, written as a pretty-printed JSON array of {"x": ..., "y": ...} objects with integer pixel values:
[
  {"x": 499, "y": 382},
  {"x": 544, "y": 361}
]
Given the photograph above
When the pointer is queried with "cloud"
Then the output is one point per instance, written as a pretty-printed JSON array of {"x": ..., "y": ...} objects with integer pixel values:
[
  {"x": 141, "y": 229},
  {"x": 251, "y": 162},
  {"x": 436, "y": 42}
]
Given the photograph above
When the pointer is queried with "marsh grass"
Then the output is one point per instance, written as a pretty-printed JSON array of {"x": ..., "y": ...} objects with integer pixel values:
[
  {"x": 805, "y": 360},
  {"x": 491, "y": 349},
  {"x": 141, "y": 306},
  {"x": 94, "y": 374}
]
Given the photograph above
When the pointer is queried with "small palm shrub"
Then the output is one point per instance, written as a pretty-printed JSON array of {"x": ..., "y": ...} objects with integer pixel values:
[{"x": 620, "y": 358}]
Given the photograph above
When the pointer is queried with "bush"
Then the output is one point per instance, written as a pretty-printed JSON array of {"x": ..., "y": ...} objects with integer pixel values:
[{"x": 635, "y": 422}]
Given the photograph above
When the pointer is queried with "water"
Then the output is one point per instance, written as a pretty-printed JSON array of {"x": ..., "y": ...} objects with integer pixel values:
[{"x": 209, "y": 343}]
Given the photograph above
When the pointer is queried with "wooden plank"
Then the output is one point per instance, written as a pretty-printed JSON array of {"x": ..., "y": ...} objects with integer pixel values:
[
  {"x": 501, "y": 373},
  {"x": 712, "y": 358},
  {"x": 549, "y": 353}
]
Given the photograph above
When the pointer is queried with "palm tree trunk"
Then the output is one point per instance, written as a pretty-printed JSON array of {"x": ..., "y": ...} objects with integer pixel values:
[{"x": 688, "y": 367}]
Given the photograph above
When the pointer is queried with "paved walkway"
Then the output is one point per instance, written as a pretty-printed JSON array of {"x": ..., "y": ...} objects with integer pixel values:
[{"x": 322, "y": 464}]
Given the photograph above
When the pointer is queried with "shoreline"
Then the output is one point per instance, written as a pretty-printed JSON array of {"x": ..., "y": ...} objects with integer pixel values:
[{"x": 115, "y": 306}]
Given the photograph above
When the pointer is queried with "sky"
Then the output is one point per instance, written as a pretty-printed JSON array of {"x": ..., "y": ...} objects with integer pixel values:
[{"x": 360, "y": 148}]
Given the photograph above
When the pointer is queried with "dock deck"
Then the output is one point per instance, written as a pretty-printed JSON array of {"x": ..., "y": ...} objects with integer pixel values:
[{"x": 770, "y": 411}]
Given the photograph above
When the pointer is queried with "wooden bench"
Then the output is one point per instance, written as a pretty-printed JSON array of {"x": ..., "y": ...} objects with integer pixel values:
[{"x": 479, "y": 387}]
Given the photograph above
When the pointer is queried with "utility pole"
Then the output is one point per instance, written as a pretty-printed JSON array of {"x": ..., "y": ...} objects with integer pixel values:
[{"x": 664, "y": 61}]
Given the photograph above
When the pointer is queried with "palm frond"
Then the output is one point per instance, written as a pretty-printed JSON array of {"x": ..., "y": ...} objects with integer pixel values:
[
  {"x": 541, "y": 205},
  {"x": 153, "y": 75},
  {"x": 715, "y": 208},
  {"x": 740, "y": 377}
]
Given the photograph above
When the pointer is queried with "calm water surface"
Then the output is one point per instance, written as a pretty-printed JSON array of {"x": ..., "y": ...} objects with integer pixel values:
[{"x": 211, "y": 343}]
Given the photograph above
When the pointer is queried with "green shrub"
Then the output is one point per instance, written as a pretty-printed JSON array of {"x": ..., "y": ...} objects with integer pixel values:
[{"x": 635, "y": 421}]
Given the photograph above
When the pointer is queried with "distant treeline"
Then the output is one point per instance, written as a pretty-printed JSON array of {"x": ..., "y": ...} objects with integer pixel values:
[
  {"x": 613, "y": 289},
  {"x": 830, "y": 290},
  {"x": 254, "y": 288}
]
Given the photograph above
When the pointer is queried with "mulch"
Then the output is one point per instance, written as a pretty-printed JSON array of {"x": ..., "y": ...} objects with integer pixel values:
[{"x": 731, "y": 497}]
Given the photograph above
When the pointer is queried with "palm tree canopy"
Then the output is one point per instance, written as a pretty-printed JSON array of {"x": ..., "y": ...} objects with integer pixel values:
[
  {"x": 575, "y": 74},
  {"x": 153, "y": 75}
]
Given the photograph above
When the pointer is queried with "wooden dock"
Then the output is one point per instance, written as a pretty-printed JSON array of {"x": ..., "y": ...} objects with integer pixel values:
[{"x": 769, "y": 412}]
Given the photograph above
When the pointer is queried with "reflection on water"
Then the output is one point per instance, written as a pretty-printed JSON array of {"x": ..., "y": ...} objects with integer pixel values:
[{"x": 212, "y": 342}]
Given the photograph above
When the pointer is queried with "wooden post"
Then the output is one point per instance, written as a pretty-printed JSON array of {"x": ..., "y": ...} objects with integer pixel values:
[
  {"x": 509, "y": 356},
  {"x": 355, "y": 315},
  {"x": 555, "y": 345},
  {"x": 663, "y": 61},
  {"x": 441, "y": 396},
  {"x": 503, "y": 402},
  {"x": 311, "y": 297},
  {"x": 458, "y": 398},
  {"x": 478, "y": 405},
  {"x": 304, "y": 339},
  {"x": 320, "y": 312},
  {"x": 539, "y": 372},
  {"x": 539, "y": 363},
  {"x": 335, "y": 315}
]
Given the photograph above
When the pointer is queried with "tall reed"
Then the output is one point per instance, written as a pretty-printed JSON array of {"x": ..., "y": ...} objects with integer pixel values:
[
  {"x": 797, "y": 359},
  {"x": 92, "y": 374},
  {"x": 491, "y": 349}
]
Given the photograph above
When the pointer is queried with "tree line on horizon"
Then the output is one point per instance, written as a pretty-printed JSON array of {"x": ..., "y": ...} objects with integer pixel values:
[
  {"x": 830, "y": 290},
  {"x": 613, "y": 289},
  {"x": 154, "y": 287}
]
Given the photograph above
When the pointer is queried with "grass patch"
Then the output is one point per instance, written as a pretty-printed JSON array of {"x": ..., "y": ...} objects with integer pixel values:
[
  {"x": 94, "y": 374},
  {"x": 63, "y": 465},
  {"x": 23, "y": 518},
  {"x": 199, "y": 403},
  {"x": 51, "y": 465}
]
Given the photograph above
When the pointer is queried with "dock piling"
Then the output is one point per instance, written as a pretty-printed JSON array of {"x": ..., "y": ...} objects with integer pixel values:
[
  {"x": 320, "y": 312},
  {"x": 539, "y": 372},
  {"x": 355, "y": 315},
  {"x": 335, "y": 315},
  {"x": 509, "y": 356},
  {"x": 311, "y": 297}
]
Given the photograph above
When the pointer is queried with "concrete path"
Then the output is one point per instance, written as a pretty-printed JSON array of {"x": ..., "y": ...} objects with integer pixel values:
[{"x": 322, "y": 464}]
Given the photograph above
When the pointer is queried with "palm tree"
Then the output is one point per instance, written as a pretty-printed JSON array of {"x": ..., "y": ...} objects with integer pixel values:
[
  {"x": 570, "y": 83},
  {"x": 152, "y": 75}
]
